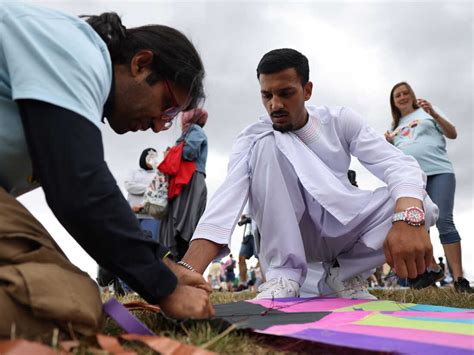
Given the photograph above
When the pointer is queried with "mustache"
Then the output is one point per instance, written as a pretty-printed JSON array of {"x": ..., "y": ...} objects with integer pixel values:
[{"x": 279, "y": 113}]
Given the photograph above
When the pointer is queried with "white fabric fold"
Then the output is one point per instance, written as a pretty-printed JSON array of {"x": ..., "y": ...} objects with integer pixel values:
[
  {"x": 320, "y": 181},
  {"x": 321, "y": 168}
]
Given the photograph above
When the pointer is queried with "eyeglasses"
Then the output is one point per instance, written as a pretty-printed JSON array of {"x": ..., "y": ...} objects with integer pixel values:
[{"x": 172, "y": 111}]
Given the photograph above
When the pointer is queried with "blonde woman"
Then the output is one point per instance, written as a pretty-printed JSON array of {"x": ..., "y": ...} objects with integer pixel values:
[{"x": 419, "y": 129}]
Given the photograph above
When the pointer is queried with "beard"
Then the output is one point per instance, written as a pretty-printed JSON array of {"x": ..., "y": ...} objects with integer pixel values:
[
  {"x": 283, "y": 126},
  {"x": 286, "y": 127}
]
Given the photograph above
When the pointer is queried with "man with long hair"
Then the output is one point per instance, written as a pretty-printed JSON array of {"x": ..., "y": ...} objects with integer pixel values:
[{"x": 60, "y": 76}]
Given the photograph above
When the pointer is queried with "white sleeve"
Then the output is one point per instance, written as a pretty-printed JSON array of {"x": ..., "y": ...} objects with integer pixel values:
[
  {"x": 400, "y": 172},
  {"x": 225, "y": 207}
]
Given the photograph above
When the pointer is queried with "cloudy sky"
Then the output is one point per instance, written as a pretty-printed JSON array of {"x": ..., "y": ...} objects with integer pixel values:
[{"x": 357, "y": 52}]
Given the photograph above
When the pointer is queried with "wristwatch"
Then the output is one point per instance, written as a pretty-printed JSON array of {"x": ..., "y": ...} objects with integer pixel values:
[{"x": 414, "y": 216}]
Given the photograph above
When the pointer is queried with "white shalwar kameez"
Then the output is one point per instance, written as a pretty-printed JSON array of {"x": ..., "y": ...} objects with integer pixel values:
[{"x": 302, "y": 201}]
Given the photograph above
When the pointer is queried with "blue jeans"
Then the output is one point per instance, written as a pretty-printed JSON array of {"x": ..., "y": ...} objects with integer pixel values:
[{"x": 441, "y": 189}]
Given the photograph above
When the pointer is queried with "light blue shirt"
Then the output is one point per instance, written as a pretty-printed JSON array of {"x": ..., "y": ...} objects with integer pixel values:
[
  {"x": 48, "y": 56},
  {"x": 195, "y": 148},
  {"x": 419, "y": 135}
]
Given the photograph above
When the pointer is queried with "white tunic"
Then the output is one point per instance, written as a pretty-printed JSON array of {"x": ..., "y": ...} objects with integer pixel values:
[{"x": 300, "y": 195}]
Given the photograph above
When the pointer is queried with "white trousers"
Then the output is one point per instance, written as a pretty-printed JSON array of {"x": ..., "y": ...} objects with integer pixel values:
[{"x": 296, "y": 231}]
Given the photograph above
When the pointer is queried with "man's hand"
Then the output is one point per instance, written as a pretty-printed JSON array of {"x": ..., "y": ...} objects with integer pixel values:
[
  {"x": 187, "y": 302},
  {"x": 408, "y": 249},
  {"x": 187, "y": 277}
]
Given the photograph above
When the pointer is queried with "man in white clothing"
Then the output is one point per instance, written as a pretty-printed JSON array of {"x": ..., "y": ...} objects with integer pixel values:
[{"x": 292, "y": 167}]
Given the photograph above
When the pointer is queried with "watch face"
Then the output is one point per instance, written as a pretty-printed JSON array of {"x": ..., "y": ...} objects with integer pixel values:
[{"x": 415, "y": 215}]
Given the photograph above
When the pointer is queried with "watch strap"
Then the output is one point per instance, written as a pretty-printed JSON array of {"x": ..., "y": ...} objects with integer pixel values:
[{"x": 408, "y": 217}]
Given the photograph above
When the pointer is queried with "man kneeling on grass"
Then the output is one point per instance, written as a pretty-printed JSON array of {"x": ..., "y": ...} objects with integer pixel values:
[
  {"x": 292, "y": 167},
  {"x": 59, "y": 77}
]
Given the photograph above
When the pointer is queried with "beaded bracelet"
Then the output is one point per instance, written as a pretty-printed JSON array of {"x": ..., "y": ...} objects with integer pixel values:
[{"x": 186, "y": 265}]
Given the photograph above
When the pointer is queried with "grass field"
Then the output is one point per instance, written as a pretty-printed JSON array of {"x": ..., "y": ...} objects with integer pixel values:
[{"x": 214, "y": 337}]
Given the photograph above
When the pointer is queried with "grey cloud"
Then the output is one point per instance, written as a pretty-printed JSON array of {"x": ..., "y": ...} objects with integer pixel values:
[{"x": 357, "y": 52}]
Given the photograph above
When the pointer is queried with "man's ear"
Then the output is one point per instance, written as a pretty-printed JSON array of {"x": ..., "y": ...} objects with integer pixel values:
[
  {"x": 308, "y": 90},
  {"x": 141, "y": 62}
]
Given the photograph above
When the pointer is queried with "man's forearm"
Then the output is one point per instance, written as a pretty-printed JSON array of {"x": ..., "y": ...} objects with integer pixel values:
[{"x": 200, "y": 253}]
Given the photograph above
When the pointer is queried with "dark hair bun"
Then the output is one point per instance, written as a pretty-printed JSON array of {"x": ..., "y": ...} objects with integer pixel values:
[{"x": 109, "y": 27}]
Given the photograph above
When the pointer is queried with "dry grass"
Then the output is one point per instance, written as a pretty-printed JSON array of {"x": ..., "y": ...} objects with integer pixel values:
[{"x": 245, "y": 342}]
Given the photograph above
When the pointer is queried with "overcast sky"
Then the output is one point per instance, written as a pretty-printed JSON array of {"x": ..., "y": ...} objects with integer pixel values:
[{"x": 357, "y": 52}]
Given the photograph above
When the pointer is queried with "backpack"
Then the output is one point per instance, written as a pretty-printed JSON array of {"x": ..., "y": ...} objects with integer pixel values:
[{"x": 155, "y": 200}]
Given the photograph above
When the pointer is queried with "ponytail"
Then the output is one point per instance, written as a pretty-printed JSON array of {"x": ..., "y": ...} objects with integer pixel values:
[
  {"x": 110, "y": 28},
  {"x": 175, "y": 57}
]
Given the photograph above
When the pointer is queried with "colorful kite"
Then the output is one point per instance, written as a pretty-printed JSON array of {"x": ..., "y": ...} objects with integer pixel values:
[{"x": 384, "y": 326}]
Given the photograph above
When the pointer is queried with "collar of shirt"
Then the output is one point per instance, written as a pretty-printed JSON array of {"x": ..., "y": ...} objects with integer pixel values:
[
  {"x": 309, "y": 133},
  {"x": 311, "y": 171}
]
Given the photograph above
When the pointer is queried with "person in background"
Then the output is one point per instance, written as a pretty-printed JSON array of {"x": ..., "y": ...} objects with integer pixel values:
[
  {"x": 419, "y": 130},
  {"x": 215, "y": 275},
  {"x": 442, "y": 265},
  {"x": 247, "y": 248},
  {"x": 375, "y": 278},
  {"x": 136, "y": 184},
  {"x": 185, "y": 210},
  {"x": 229, "y": 267},
  {"x": 259, "y": 277},
  {"x": 252, "y": 280},
  {"x": 379, "y": 275},
  {"x": 60, "y": 78}
]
